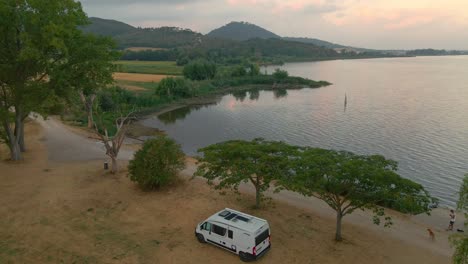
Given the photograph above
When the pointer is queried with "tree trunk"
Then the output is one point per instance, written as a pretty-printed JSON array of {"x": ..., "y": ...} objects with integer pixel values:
[
  {"x": 115, "y": 167},
  {"x": 257, "y": 197},
  {"x": 12, "y": 141},
  {"x": 339, "y": 216},
  {"x": 15, "y": 152},
  {"x": 90, "y": 117},
  {"x": 19, "y": 132},
  {"x": 22, "y": 144},
  {"x": 88, "y": 104}
]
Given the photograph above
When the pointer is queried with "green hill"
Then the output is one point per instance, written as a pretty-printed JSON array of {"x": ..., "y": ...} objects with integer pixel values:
[
  {"x": 129, "y": 36},
  {"x": 107, "y": 27},
  {"x": 317, "y": 42},
  {"x": 241, "y": 31},
  {"x": 163, "y": 37}
]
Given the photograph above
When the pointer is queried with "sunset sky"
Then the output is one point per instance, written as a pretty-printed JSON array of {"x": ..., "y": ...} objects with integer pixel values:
[{"x": 382, "y": 24}]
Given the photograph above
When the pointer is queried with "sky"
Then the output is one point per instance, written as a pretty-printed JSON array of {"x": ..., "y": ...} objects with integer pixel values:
[{"x": 378, "y": 24}]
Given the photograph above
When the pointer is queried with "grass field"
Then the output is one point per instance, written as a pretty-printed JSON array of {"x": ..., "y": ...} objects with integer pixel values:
[
  {"x": 137, "y": 86},
  {"x": 150, "y": 67}
]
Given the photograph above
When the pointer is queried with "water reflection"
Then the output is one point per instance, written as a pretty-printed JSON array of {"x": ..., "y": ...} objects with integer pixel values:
[
  {"x": 254, "y": 95},
  {"x": 280, "y": 93},
  {"x": 240, "y": 95},
  {"x": 171, "y": 117}
]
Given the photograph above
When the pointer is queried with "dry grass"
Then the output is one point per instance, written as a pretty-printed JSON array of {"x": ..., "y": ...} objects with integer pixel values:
[
  {"x": 137, "y": 77},
  {"x": 77, "y": 213}
]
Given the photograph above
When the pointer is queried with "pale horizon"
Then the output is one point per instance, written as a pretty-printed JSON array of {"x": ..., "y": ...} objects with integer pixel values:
[{"x": 376, "y": 24}]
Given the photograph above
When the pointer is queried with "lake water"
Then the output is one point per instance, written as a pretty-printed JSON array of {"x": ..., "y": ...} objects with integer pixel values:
[{"x": 412, "y": 110}]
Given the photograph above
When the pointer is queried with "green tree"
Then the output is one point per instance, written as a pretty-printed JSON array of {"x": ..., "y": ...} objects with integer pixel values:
[
  {"x": 171, "y": 87},
  {"x": 200, "y": 70},
  {"x": 280, "y": 74},
  {"x": 238, "y": 71},
  {"x": 254, "y": 70},
  {"x": 460, "y": 241},
  {"x": 33, "y": 42},
  {"x": 157, "y": 163},
  {"x": 89, "y": 68},
  {"x": 228, "y": 164},
  {"x": 347, "y": 182}
]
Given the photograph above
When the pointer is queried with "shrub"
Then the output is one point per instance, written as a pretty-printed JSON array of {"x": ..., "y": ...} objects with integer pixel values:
[
  {"x": 200, "y": 70},
  {"x": 280, "y": 74},
  {"x": 157, "y": 163},
  {"x": 171, "y": 87},
  {"x": 239, "y": 71}
]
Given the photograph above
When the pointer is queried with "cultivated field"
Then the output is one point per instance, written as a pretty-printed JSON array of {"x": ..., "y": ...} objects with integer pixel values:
[
  {"x": 138, "y": 77},
  {"x": 150, "y": 67}
]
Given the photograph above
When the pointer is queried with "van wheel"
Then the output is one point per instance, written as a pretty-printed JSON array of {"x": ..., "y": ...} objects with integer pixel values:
[
  {"x": 200, "y": 238},
  {"x": 244, "y": 257}
]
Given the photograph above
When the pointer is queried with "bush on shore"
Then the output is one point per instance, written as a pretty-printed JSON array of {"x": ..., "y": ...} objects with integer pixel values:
[{"x": 157, "y": 163}]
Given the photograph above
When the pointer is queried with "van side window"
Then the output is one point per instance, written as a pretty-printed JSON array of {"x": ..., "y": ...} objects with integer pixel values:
[
  {"x": 219, "y": 230},
  {"x": 230, "y": 234},
  {"x": 206, "y": 226}
]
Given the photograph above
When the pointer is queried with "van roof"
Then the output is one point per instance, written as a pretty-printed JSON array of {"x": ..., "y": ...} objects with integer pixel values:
[{"x": 238, "y": 219}]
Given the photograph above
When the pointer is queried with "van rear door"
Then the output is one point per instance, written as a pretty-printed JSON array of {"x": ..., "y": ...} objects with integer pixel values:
[{"x": 262, "y": 241}]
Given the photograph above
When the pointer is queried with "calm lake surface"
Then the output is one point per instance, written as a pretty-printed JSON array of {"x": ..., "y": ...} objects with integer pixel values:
[{"x": 412, "y": 110}]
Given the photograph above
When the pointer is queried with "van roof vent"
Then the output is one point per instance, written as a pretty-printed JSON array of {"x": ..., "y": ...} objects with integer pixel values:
[{"x": 224, "y": 213}]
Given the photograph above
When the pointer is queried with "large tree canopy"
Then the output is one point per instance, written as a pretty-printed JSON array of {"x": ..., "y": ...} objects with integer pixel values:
[
  {"x": 228, "y": 164},
  {"x": 346, "y": 182},
  {"x": 43, "y": 56},
  {"x": 89, "y": 67}
]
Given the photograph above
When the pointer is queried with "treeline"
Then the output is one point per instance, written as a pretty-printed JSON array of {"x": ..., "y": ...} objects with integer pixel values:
[
  {"x": 434, "y": 52},
  {"x": 163, "y": 37},
  {"x": 261, "y": 51}
]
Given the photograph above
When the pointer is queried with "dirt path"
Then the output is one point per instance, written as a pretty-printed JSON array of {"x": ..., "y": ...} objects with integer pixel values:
[{"x": 64, "y": 145}]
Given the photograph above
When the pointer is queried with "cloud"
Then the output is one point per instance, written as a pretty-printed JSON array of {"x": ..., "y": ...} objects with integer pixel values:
[
  {"x": 130, "y": 2},
  {"x": 367, "y": 23}
]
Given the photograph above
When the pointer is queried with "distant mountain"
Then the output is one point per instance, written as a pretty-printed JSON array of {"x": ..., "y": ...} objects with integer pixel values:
[
  {"x": 241, "y": 31},
  {"x": 233, "y": 43},
  {"x": 106, "y": 27}
]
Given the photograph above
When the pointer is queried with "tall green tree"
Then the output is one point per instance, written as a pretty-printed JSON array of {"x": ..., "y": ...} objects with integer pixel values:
[
  {"x": 89, "y": 68},
  {"x": 347, "y": 182},
  {"x": 259, "y": 162},
  {"x": 460, "y": 241},
  {"x": 33, "y": 42}
]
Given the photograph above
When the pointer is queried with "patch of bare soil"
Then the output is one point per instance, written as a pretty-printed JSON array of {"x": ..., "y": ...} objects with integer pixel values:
[
  {"x": 77, "y": 213},
  {"x": 139, "y": 77}
]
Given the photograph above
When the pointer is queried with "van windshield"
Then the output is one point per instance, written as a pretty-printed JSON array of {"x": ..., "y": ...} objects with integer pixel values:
[{"x": 260, "y": 238}]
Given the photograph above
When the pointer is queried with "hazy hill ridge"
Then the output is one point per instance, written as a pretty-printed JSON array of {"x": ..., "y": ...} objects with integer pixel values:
[
  {"x": 107, "y": 27},
  {"x": 241, "y": 31}
]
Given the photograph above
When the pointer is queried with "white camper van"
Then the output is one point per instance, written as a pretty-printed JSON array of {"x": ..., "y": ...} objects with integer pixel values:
[{"x": 242, "y": 234}]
